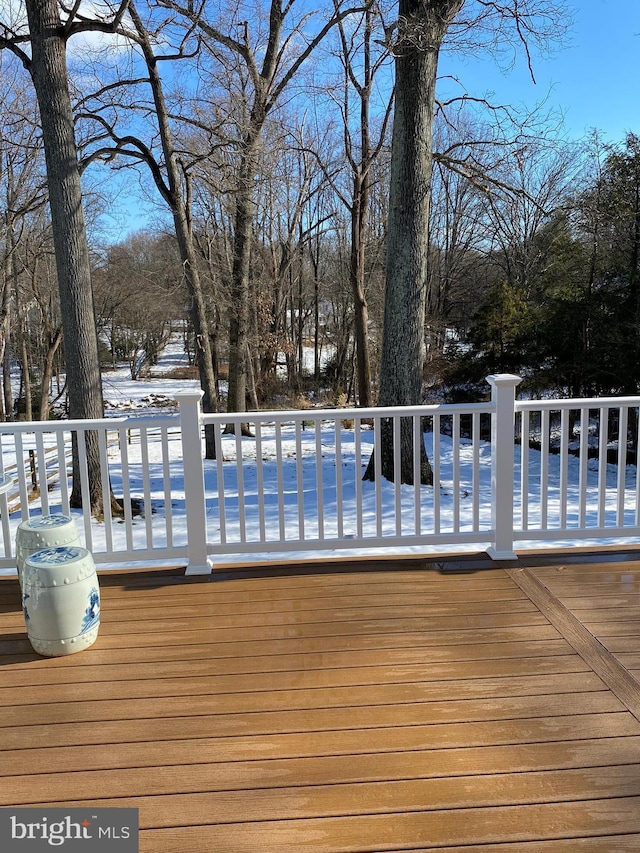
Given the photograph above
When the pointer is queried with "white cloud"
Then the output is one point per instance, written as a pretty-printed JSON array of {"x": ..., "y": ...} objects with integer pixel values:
[{"x": 13, "y": 15}]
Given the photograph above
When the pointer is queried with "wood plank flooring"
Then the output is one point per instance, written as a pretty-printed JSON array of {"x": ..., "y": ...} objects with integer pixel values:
[
  {"x": 350, "y": 707},
  {"x": 606, "y": 599}
]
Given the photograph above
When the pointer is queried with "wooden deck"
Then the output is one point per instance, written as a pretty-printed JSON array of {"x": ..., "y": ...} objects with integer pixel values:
[{"x": 355, "y": 707}]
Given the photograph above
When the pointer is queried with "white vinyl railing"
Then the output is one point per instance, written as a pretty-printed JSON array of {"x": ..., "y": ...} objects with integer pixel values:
[
  {"x": 585, "y": 482},
  {"x": 506, "y": 473},
  {"x": 139, "y": 460}
]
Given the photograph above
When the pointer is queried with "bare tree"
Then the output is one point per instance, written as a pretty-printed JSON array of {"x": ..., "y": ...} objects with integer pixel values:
[
  {"x": 139, "y": 296},
  {"x": 170, "y": 173},
  {"x": 359, "y": 46},
  {"x": 39, "y": 333},
  {"x": 270, "y": 64},
  {"x": 287, "y": 216},
  {"x": 23, "y": 188},
  {"x": 543, "y": 179},
  {"x": 459, "y": 233}
]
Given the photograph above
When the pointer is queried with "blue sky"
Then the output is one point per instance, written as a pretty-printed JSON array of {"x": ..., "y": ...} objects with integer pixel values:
[{"x": 594, "y": 80}]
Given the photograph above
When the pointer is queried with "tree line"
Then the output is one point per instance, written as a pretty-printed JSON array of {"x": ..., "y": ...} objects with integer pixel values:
[
  {"x": 543, "y": 283},
  {"x": 293, "y": 156},
  {"x": 560, "y": 303}
]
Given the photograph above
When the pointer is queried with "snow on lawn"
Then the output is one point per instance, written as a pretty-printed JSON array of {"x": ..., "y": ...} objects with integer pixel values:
[{"x": 123, "y": 395}]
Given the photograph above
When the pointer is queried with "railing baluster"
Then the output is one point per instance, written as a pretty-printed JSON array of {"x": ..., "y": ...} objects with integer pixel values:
[
  {"x": 397, "y": 475},
  {"x": 455, "y": 438},
  {"x": 602, "y": 465},
  {"x": 544, "y": 470},
  {"x": 564, "y": 466},
  {"x": 622, "y": 463},
  {"x": 319, "y": 482},
  {"x": 260, "y": 483},
  {"x": 20, "y": 471},
  {"x": 166, "y": 486},
  {"x": 583, "y": 478},
  {"x": 475, "y": 476},
  {"x": 61, "y": 452},
  {"x": 524, "y": 468},
  {"x": 106, "y": 491},
  {"x": 40, "y": 462},
  {"x": 377, "y": 475},
  {"x": 300, "y": 479},
  {"x": 358, "y": 474},
  {"x": 337, "y": 426},
  {"x": 221, "y": 485},
  {"x": 146, "y": 487},
  {"x": 418, "y": 446},
  {"x": 436, "y": 473},
  {"x": 126, "y": 487},
  {"x": 240, "y": 484},
  {"x": 84, "y": 488},
  {"x": 280, "y": 481}
]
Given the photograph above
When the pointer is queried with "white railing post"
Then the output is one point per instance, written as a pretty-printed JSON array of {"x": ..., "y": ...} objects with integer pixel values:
[
  {"x": 503, "y": 397},
  {"x": 191, "y": 436}
]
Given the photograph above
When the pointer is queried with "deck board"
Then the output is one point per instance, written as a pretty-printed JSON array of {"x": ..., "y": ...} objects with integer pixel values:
[
  {"x": 364, "y": 708},
  {"x": 415, "y": 830}
]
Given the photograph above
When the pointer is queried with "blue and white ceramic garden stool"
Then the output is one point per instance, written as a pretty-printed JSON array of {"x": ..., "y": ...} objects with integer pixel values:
[
  {"x": 43, "y": 531},
  {"x": 61, "y": 600}
]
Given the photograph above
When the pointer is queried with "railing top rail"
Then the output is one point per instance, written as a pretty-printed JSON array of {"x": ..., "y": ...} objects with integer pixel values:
[
  {"x": 575, "y": 403},
  {"x": 80, "y": 424},
  {"x": 346, "y": 414}
]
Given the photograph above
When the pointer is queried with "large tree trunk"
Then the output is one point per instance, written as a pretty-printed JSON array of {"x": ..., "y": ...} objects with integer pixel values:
[
  {"x": 239, "y": 315},
  {"x": 357, "y": 275},
  {"x": 359, "y": 219},
  {"x": 49, "y": 72},
  {"x": 422, "y": 25}
]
